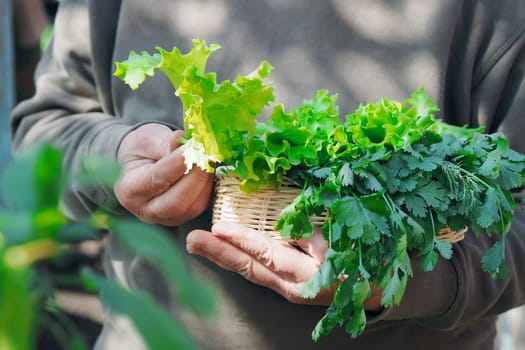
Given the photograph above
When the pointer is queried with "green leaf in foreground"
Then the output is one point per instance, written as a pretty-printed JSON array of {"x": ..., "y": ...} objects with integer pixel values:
[
  {"x": 33, "y": 228},
  {"x": 17, "y": 307},
  {"x": 156, "y": 326},
  {"x": 158, "y": 249},
  {"x": 33, "y": 180}
]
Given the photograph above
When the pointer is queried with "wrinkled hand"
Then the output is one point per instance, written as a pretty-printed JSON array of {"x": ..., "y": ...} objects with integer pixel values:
[
  {"x": 265, "y": 261},
  {"x": 269, "y": 262},
  {"x": 153, "y": 185}
]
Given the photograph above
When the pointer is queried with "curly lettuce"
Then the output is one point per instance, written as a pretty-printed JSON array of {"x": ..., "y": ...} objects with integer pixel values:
[{"x": 214, "y": 113}]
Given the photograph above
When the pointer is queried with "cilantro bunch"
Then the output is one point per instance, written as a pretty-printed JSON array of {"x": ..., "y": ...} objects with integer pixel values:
[{"x": 388, "y": 178}]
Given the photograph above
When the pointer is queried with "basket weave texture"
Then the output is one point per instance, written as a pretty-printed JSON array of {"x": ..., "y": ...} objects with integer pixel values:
[
  {"x": 259, "y": 211},
  {"x": 262, "y": 210}
]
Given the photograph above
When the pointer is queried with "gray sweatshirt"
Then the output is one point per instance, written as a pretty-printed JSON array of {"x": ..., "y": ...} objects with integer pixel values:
[{"x": 468, "y": 55}]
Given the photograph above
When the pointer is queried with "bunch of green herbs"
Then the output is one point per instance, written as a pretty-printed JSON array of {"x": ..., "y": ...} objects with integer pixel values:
[{"x": 388, "y": 177}]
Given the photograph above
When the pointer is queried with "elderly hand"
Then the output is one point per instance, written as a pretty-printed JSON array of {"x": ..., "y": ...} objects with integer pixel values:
[
  {"x": 153, "y": 185},
  {"x": 265, "y": 261}
]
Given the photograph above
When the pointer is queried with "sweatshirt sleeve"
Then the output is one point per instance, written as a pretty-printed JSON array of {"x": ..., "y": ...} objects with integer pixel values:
[
  {"x": 498, "y": 99},
  {"x": 66, "y": 109},
  {"x": 458, "y": 290}
]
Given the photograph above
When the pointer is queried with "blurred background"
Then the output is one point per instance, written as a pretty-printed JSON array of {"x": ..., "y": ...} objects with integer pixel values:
[{"x": 25, "y": 29}]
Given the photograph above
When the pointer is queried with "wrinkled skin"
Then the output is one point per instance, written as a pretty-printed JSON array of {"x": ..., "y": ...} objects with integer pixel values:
[
  {"x": 153, "y": 185},
  {"x": 272, "y": 263}
]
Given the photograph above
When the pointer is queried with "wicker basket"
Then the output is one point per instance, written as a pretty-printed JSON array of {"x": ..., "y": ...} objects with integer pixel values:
[
  {"x": 262, "y": 210},
  {"x": 447, "y": 235},
  {"x": 259, "y": 211}
]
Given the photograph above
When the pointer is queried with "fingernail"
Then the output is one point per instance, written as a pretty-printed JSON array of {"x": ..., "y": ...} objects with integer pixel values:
[
  {"x": 216, "y": 228},
  {"x": 190, "y": 248}
]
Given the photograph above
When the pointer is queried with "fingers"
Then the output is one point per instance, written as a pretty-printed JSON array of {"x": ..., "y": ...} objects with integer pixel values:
[
  {"x": 268, "y": 262},
  {"x": 165, "y": 172},
  {"x": 173, "y": 140},
  {"x": 275, "y": 254},
  {"x": 232, "y": 258},
  {"x": 373, "y": 303},
  {"x": 228, "y": 256},
  {"x": 182, "y": 201},
  {"x": 153, "y": 185},
  {"x": 315, "y": 246},
  {"x": 149, "y": 141},
  {"x": 163, "y": 198},
  {"x": 151, "y": 162},
  {"x": 252, "y": 242}
]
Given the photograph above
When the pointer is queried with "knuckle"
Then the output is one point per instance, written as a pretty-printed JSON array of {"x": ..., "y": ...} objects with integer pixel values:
[
  {"x": 147, "y": 216},
  {"x": 128, "y": 203},
  {"x": 194, "y": 210},
  {"x": 158, "y": 183},
  {"x": 189, "y": 208},
  {"x": 266, "y": 257},
  {"x": 245, "y": 269},
  {"x": 184, "y": 211}
]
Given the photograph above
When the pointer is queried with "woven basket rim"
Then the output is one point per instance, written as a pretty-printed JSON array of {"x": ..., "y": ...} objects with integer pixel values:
[{"x": 261, "y": 211}]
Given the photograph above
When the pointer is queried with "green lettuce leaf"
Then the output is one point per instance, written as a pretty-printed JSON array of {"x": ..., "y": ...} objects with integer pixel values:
[{"x": 214, "y": 113}]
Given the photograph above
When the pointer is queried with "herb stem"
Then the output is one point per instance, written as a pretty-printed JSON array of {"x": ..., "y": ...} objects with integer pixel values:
[
  {"x": 329, "y": 232},
  {"x": 469, "y": 175},
  {"x": 433, "y": 225},
  {"x": 360, "y": 252}
]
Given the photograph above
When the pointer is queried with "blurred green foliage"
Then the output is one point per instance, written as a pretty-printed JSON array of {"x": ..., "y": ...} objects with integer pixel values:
[
  {"x": 33, "y": 227},
  {"x": 45, "y": 37}
]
